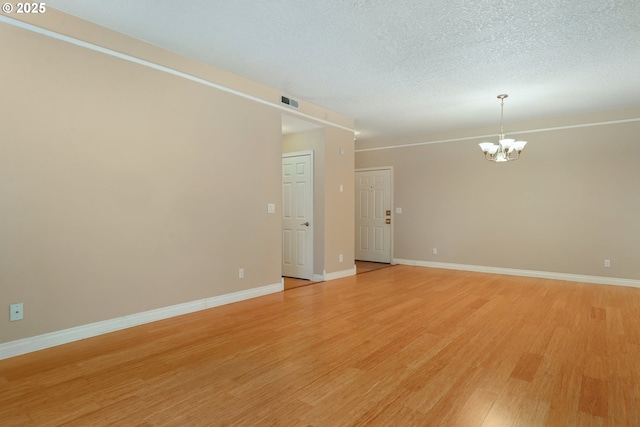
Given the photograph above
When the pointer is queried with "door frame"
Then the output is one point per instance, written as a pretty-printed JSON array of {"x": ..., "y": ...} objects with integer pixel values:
[
  {"x": 393, "y": 209},
  {"x": 313, "y": 204}
]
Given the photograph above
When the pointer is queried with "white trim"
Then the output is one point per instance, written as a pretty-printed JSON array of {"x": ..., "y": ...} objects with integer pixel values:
[
  {"x": 28, "y": 345},
  {"x": 467, "y": 138},
  {"x": 374, "y": 169},
  {"x": 335, "y": 275},
  {"x": 162, "y": 68},
  {"x": 602, "y": 280}
]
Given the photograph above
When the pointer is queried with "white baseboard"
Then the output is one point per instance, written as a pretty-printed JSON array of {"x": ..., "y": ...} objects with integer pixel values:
[
  {"x": 525, "y": 273},
  {"x": 335, "y": 275},
  {"x": 28, "y": 345}
]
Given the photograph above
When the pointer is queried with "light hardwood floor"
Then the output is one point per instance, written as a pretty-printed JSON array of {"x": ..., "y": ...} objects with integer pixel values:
[
  {"x": 361, "y": 267},
  {"x": 367, "y": 266},
  {"x": 395, "y": 347}
]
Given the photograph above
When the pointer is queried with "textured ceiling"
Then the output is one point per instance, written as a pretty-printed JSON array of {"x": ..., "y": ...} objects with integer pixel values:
[{"x": 405, "y": 67}]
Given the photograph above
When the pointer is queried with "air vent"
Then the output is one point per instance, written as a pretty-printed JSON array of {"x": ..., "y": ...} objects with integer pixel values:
[{"x": 289, "y": 101}]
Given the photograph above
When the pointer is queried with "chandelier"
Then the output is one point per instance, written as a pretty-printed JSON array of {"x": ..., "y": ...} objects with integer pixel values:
[{"x": 506, "y": 149}]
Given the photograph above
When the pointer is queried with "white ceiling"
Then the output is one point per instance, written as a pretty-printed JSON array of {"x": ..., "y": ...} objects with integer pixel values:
[{"x": 405, "y": 67}]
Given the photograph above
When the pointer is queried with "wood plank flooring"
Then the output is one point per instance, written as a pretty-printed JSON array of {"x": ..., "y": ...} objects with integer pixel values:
[
  {"x": 367, "y": 266},
  {"x": 361, "y": 267},
  {"x": 398, "y": 346},
  {"x": 292, "y": 282}
]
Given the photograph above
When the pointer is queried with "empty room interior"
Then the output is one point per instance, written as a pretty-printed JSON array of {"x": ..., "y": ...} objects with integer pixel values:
[{"x": 320, "y": 213}]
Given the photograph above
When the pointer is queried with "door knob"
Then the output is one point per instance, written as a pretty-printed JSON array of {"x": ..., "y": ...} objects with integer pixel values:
[{"x": 306, "y": 224}]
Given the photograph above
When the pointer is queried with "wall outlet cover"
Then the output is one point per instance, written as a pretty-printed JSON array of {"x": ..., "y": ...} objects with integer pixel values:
[{"x": 16, "y": 312}]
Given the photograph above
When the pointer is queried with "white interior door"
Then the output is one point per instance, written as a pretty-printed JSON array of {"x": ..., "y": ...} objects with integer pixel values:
[
  {"x": 297, "y": 215},
  {"x": 373, "y": 215}
]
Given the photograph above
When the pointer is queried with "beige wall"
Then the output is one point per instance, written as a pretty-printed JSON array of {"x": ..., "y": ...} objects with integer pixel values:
[
  {"x": 339, "y": 206},
  {"x": 125, "y": 189},
  {"x": 570, "y": 202}
]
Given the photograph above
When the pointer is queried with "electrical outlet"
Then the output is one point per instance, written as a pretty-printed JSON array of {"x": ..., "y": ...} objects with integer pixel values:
[
  {"x": 607, "y": 263},
  {"x": 340, "y": 258},
  {"x": 241, "y": 273},
  {"x": 16, "y": 312},
  {"x": 435, "y": 251}
]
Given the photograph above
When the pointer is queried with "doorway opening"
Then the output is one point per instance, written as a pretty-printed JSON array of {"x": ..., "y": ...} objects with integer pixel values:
[
  {"x": 302, "y": 153},
  {"x": 297, "y": 215}
]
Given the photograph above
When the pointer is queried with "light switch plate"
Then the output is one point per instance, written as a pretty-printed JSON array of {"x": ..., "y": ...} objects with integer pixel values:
[{"x": 271, "y": 208}]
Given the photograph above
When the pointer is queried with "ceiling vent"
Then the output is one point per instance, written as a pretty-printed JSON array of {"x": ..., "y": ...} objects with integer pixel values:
[{"x": 289, "y": 101}]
